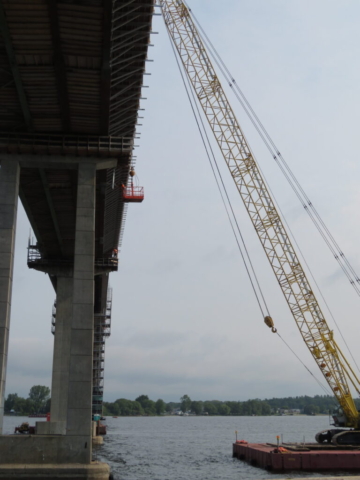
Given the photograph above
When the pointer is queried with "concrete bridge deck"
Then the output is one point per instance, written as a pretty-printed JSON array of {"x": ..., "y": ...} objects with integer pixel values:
[{"x": 71, "y": 74}]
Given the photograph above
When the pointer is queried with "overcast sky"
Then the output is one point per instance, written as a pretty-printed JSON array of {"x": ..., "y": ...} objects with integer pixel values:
[{"x": 185, "y": 320}]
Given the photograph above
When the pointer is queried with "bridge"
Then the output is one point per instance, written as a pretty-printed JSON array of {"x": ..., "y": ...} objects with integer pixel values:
[{"x": 71, "y": 76}]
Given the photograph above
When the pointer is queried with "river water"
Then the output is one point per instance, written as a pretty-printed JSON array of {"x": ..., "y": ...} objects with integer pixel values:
[{"x": 192, "y": 448}]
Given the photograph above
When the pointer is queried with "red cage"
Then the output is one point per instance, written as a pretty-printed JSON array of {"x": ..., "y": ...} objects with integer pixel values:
[{"x": 133, "y": 194}]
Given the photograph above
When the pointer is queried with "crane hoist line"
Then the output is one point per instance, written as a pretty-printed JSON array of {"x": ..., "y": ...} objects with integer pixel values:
[{"x": 266, "y": 220}]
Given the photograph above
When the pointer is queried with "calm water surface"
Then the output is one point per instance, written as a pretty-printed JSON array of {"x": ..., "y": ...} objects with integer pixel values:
[{"x": 191, "y": 448}]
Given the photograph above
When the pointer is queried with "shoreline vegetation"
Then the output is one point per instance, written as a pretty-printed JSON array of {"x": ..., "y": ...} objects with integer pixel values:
[
  {"x": 142, "y": 405},
  {"x": 39, "y": 401}
]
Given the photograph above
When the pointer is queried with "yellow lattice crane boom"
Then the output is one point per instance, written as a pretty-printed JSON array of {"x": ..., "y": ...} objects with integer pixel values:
[{"x": 262, "y": 211}]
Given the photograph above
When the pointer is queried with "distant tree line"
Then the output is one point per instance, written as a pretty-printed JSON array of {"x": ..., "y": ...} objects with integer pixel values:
[
  {"x": 38, "y": 401},
  {"x": 142, "y": 405},
  {"x": 308, "y": 405}
]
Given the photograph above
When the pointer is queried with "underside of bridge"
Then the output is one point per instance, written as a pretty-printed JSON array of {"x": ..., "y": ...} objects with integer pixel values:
[
  {"x": 71, "y": 74},
  {"x": 71, "y": 77}
]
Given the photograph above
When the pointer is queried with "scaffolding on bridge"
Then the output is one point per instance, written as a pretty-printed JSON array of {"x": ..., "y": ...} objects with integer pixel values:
[
  {"x": 102, "y": 330},
  {"x": 37, "y": 260}
]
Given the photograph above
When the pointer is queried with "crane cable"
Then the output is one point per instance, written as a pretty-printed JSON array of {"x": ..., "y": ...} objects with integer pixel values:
[
  {"x": 338, "y": 255},
  {"x": 284, "y": 167},
  {"x": 312, "y": 276},
  {"x": 307, "y": 368},
  {"x": 260, "y": 129},
  {"x": 207, "y": 146},
  {"x": 199, "y": 121}
]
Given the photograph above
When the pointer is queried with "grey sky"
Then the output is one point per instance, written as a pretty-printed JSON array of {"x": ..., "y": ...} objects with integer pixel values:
[{"x": 185, "y": 319}]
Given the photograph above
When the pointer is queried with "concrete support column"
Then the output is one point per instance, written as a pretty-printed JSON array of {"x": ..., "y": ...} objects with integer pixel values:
[
  {"x": 61, "y": 359},
  {"x": 9, "y": 190},
  {"x": 79, "y": 404}
]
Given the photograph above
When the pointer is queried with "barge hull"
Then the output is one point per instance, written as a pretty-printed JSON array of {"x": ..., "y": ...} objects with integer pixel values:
[{"x": 263, "y": 455}]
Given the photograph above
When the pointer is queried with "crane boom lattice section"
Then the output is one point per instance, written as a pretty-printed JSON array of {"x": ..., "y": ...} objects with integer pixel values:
[{"x": 260, "y": 206}]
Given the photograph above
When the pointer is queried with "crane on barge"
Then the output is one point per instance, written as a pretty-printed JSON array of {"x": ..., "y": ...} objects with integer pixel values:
[{"x": 267, "y": 222}]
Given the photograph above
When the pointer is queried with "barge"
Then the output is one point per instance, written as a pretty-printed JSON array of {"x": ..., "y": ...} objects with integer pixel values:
[{"x": 292, "y": 456}]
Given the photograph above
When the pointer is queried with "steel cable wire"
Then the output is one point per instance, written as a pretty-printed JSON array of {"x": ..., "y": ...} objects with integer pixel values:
[
  {"x": 338, "y": 257},
  {"x": 207, "y": 146},
  {"x": 313, "y": 214},
  {"x": 294, "y": 183},
  {"x": 312, "y": 275},
  {"x": 307, "y": 368},
  {"x": 257, "y": 124}
]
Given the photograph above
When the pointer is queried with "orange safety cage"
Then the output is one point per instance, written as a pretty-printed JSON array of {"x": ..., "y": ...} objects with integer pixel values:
[{"x": 133, "y": 194}]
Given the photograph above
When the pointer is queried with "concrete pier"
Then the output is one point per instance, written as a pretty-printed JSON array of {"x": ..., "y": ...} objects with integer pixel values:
[
  {"x": 79, "y": 421},
  {"x": 67, "y": 438},
  {"x": 9, "y": 190},
  {"x": 94, "y": 471},
  {"x": 74, "y": 338},
  {"x": 61, "y": 357}
]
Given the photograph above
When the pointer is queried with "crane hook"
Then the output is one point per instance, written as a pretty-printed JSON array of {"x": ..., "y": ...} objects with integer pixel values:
[{"x": 270, "y": 323}]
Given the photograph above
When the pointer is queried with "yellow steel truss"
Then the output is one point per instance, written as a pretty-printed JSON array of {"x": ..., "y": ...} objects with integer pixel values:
[{"x": 260, "y": 206}]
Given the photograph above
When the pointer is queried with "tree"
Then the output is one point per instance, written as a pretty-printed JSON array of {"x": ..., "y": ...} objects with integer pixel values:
[
  {"x": 311, "y": 409},
  {"x": 171, "y": 406},
  {"x": 147, "y": 404},
  {"x": 235, "y": 407},
  {"x": 22, "y": 406},
  {"x": 149, "y": 407},
  {"x": 137, "y": 408},
  {"x": 224, "y": 409},
  {"x": 31, "y": 407},
  {"x": 196, "y": 407},
  {"x": 39, "y": 395},
  {"x": 185, "y": 403},
  {"x": 47, "y": 407},
  {"x": 160, "y": 406},
  {"x": 265, "y": 409},
  {"x": 210, "y": 408},
  {"x": 114, "y": 409},
  {"x": 125, "y": 406},
  {"x": 10, "y": 402},
  {"x": 142, "y": 399},
  {"x": 106, "y": 410}
]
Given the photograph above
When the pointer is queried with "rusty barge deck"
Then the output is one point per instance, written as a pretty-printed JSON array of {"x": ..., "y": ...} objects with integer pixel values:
[{"x": 308, "y": 457}]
